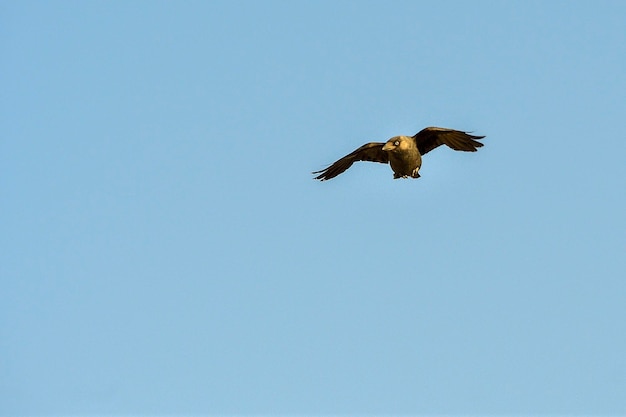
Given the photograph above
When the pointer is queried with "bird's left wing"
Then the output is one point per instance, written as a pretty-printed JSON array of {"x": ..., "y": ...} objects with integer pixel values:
[
  {"x": 431, "y": 137},
  {"x": 372, "y": 152}
]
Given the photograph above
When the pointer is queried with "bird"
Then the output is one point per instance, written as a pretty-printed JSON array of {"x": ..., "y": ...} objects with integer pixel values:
[{"x": 404, "y": 153}]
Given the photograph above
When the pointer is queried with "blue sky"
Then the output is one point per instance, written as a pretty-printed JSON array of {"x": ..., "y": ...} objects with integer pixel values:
[{"x": 164, "y": 250}]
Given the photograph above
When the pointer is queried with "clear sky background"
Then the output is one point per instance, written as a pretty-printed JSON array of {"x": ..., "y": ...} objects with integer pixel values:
[{"x": 164, "y": 250}]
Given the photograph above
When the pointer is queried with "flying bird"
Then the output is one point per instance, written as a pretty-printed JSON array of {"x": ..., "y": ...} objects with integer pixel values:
[{"x": 404, "y": 153}]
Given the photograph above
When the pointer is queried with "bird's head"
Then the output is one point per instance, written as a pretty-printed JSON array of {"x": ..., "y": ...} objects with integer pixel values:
[{"x": 397, "y": 143}]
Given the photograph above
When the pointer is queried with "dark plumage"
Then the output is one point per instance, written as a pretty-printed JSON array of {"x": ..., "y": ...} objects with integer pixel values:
[{"x": 404, "y": 153}]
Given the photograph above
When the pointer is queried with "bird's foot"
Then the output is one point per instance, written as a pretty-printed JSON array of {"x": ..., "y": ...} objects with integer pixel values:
[{"x": 415, "y": 173}]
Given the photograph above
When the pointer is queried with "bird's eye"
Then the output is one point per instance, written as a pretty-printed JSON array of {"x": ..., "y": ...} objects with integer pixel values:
[{"x": 396, "y": 143}]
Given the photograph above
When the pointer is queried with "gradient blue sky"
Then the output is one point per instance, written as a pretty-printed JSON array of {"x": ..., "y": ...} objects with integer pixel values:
[{"x": 164, "y": 250}]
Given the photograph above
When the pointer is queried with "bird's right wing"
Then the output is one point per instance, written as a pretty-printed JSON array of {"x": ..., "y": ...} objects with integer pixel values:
[{"x": 372, "y": 152}]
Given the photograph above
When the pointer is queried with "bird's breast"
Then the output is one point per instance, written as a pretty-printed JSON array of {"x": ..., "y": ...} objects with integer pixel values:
[{"x": 404, "y": 163}]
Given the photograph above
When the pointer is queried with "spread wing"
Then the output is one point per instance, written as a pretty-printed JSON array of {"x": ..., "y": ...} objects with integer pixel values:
[
  {"x": 431, "y": 137},
  {"x": 369, "y": 152}
]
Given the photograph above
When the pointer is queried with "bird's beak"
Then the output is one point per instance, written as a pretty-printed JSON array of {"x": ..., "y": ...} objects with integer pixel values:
[{"x": 387, "y": 146}]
